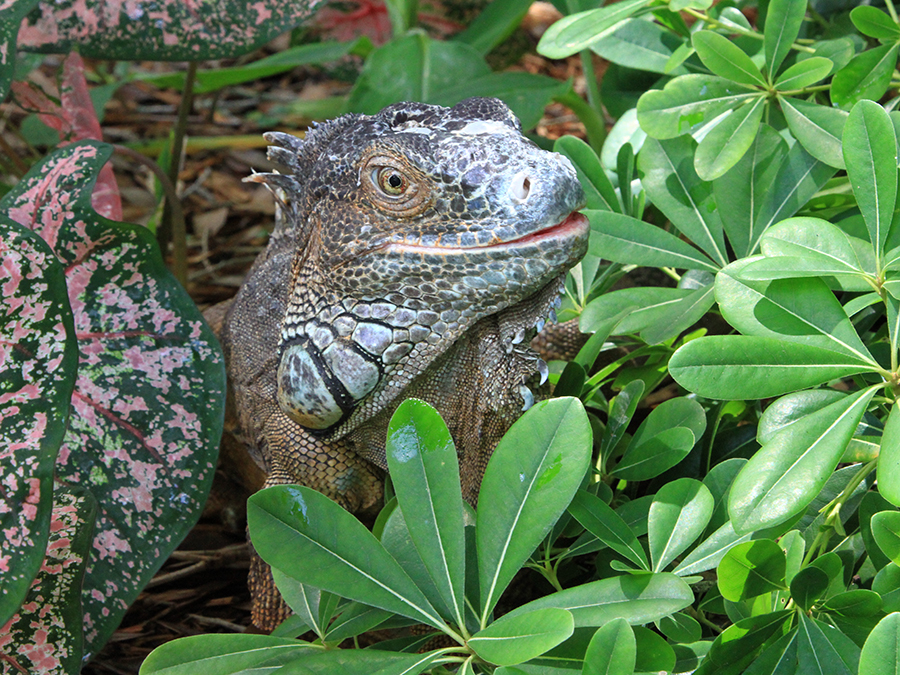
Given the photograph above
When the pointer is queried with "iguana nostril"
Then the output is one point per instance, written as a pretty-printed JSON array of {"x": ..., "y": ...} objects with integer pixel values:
[{"x": 520, "y": 187}]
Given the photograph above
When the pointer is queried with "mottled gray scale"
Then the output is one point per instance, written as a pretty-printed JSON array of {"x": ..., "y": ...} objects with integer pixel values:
[
  {"x": 373, "y": 337},
  {"x": 344, "y": 325},
  {"x": 396, "y": 352},
  {"x": 427, "y": 317},
  {"x": 358, "y": 374},
  {"x": 302, "y": 391},
  {"x": 418, "y": 333},
  {"x": 321, "y": 335}
]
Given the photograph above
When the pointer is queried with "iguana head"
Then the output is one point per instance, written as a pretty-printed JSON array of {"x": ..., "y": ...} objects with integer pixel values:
[{"x": 413, "y": 225}]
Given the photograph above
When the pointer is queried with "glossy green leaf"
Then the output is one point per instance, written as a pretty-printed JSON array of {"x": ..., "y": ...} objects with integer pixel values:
[
  {"x": 858, "y": 602},
  {"x": 169, "y": 32},
  {"x": 678, "y": 515},
  {"x": 792, "y": 408},
  {"x": 670, "y": 414},
  {"x": 745, "y": 188},
  {"x": 738, "y": 642},
  {"x": 224, "y": 654},
  {"x": 638, "y": 599},
  {"x": 146, "y": 412},
  {"x": 530, "y": 480},
  {"x": 605, "y": 524},
  {"x": 886, "y": 530},
  {"x": 303, "y": 600},
  {"x": 627, "y": 240},
  {"x": 807, "y": 586},
  {"x": 870, "y": 153},
  {"x": 611, "y": 651},
  {"x": 46, "y": 634},
  {"x": 786, "y": 474},
  {"x": 729, "y": 140},
  {"x": 655, "y": 454},
  {"x": 887, "y": 584},
  {"x": 889, "y": 459},
  {"x": 621, "y": 411},
  {"x": 312, "y": 539},
  {"x": 514, "y": 639},
  {"x": 39, "y": 359},
  {"x": 867, "y": 76},
  {"x": 881, "y": 653},
  {"x": 647, "y": 304},
  {"x": 357, "y": 662},
  {"x": 777, "y": 658},
  {"x": 578, "y": 31},
  {"x": 680, "y": 315},
  {"x": 819, "y": 128},
  {"x": 414, "y": 67},
  {"x": 726, "y": 59},
  {"x": 708, "y": 554},
  {"x": 654, "y": 654},
  {"x": 801, "y": 310},
  {"x": 687, "y": 103},
  {"x": 10, "y": 19},
  {"x": 494, "y": 24},
  {"x": 598, "y": 190},
  {"x": 424, "y": 468},
  {"x": 875, "y": 23},
  {"x": 816, "y": 240},
  {"x": 736, "y": 367},
  {"x": 783, "y": 23},
  {"x": 643, "y": 45},
  {"x": 824, "y": 650},
  {"x": 804, "y": 74},
  {"x": 680, "y": 627},
  {"x": 672, "y": 184},
  {"x": 751, "y": 569}
]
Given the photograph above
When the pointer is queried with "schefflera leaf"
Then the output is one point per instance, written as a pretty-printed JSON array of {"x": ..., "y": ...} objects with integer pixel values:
[
  {"x": 167, "y": 31},
  {"x": 38, "y": 360},
  {"x": 147, "y": 410},
  {"x": 45, "y": 635}
]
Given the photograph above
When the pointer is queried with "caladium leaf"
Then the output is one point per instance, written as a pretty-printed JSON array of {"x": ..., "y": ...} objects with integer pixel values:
[
  {"x": 146, "y": 414},
  {"x": 11, "y": 14},
  {"x": 45, "y": 636},
  {"x": 38, "y": 359},
  {"x": 164, "y": 31}
]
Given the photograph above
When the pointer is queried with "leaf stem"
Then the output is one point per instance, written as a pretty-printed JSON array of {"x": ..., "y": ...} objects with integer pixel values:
[
  {"x": 594, "y": 126},
  {"x": 891, "y": 10},
  {"x": 734, "y": 28}
]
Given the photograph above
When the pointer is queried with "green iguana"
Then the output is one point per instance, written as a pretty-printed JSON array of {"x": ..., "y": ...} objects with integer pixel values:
[{"x": 416, "y": 254}]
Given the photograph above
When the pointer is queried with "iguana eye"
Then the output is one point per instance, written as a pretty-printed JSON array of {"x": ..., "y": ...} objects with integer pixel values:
[{"x": 390, "y": 181}]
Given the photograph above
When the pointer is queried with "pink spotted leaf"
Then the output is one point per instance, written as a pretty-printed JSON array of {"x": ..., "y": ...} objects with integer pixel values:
[
  {"x": 146, "y": 413},
  {"x": 45, "y": 635},
  {"x": 167, "y": 30},
  {"x": 38, "y": 359},
  {"x": 11, "y": 14}
]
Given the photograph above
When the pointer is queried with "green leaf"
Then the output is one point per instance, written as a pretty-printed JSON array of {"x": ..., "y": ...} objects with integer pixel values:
[
  {"x": 529, "y": 481},
  {"x": 815, "y": 240},
  {"x": 889, "y": 458},
  {"x": 859, "y": 602},
  {"x": 647, "y": 305},
  {"x": 800, "y": 310},
  {"x": 881, "y": 653},
  {"x": 627, "y": 240},
  {"x": 786, "y": 474},
  {"x": 687, "y": 103},
  {"x": 514, "y": 639},
  {"x": 751, "y": 569},
  {"x": 605, "y": 524},
  {"x": 874, "y": 23},
  {"x": 807, "y": 586},
  {"x": 170, "y": 32},
  {"x": 678, "y": 515},
  {"x": 578, "y": 31},
  {"x": 599, "y": 192},
  {"x": 824, "y": 650},
  {"x": 783, "y": 22},
  {"x": 726, "y": 59},
  {"x": 886, "y": 530},
  {"x": 40, "y": 360},
  {"x": 680, "y": 627},
  {"x": 740, "y": 641},
  {"x": 672, "y": 184},
  {"x": 870, "y": 153},
  {"x": 493, "y": 25},
  {"x": 356, "y": 662},
  {"x": 792, "y": 408},
  {"x": 612, "y": 650},
  {"x": 640, "y": 44},
  {"x": 867, "y": 76},
  {"x": 621, "y": 411},
  {"x": 312, "y": 539},
  {"x": 804, "y": 74},
  {"x": 736, "y": 367},
  {"x": 225, "y": 654},
  {"x": 887, "y": 585},
  {"x": 681, "y": 314},
  {"x": 729, "y": 140},
  {"x": 424, "y": 469},
  {"x": 354, "y": 619},
  {"x": 745, "y": 188},
  {"x": 303, "y": 600},
  {"x": 777, "y": 658},
  {"x": 10, "y": 20},
  {"x": 710, "y": 552},
  {"x": 819, "y": 128},
  {"x": 413, "y": 68},
  {"x": 638, "y": 599}
]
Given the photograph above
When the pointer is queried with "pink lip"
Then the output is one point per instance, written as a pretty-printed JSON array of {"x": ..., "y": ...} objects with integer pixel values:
[{"x": 572, "y": 225}]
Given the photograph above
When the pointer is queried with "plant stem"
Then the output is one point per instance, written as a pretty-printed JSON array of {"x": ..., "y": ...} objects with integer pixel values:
[
  {"x": 593, "y": 123},
  {"x": 733, "y": 28},
  {"x": 891, "y": 10}
]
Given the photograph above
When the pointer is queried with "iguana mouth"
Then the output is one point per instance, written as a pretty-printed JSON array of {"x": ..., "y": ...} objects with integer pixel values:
[{"x": 573, "y": 225}]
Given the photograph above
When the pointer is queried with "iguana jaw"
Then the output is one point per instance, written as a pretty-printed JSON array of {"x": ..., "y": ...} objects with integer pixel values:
[{"x": 574, "y": 226}]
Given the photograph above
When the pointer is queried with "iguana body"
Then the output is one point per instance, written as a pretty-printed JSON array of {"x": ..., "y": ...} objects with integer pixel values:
[{"x": 416, "y": 251}]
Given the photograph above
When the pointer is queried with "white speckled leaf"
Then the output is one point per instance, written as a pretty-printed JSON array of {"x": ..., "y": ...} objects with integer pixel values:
[
  {"x": 167, "y": 30},
  {"x": 146, "y": 414},
  {"x": 38, "y": 359},
  {"x": 45, "y": 635}
]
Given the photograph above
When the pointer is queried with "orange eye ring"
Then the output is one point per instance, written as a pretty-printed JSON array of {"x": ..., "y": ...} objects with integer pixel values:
[{"x": 390, "y": 181}]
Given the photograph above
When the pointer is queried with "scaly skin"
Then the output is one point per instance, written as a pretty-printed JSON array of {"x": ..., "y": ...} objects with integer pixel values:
[{"x": 415, "y": 254}]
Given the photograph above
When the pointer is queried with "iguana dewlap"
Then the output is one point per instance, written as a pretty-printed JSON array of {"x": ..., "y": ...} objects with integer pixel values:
[{"x": 416, "y": 252}]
